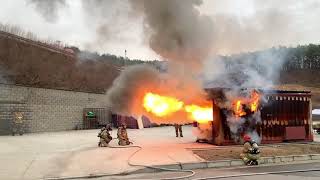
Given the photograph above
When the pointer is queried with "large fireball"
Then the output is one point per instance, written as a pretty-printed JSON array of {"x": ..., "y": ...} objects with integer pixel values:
[
  {"x": 165, "y": 106},
  {"x": 161, "y": 106},
  {"x": 200, "y": 114}
]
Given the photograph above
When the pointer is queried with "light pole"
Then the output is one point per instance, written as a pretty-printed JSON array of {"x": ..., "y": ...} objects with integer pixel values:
[{"x": 125, "y": 57}]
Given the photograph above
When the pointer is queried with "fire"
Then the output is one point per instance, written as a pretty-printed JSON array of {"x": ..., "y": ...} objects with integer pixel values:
[
  {"x": 251, "y": 103},
  {"x": 239, "y": 110},
  {"x": 161, "y": 105},
  {"x": 200, "y": 114},
  {"x": 255, "y": 97}
]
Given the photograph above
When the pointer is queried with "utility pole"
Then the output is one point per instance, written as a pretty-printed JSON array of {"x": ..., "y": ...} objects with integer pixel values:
[{"x": 125, "y": 57}]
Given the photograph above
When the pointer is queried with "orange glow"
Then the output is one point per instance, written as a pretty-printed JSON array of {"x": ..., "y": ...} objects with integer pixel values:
[
  {"x": 200, "y": 114},
  {"x": 238, "y": 109},
  {"x": 253, "y": 103},
  {"x": 255, "y": 97},
  {"x": 161, "y": 106}
]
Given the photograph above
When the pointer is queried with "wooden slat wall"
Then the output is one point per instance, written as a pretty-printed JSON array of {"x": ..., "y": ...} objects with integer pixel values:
[{"x": 284, "y": 111}]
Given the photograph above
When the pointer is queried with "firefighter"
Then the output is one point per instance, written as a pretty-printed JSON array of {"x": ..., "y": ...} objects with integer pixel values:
[
  {"x": 17, "y": 124},
  {"x": 250, "y": 153},
  {"x": 105, "y": 136},
  {"x": 178, "y": 128},
  {"x": 123, "y": 135}
]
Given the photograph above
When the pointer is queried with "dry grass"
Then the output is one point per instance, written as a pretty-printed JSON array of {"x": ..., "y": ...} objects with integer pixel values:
[
  {"x": 298, "y": 87},
  {"x": 315, "y": 91}
]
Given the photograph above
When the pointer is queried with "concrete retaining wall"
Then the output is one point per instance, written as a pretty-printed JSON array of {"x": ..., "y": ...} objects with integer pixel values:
[{"x": 46, "y": 109}]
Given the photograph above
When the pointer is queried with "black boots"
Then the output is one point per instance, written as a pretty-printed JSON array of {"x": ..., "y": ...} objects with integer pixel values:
[{"x": 252, "y": 163}]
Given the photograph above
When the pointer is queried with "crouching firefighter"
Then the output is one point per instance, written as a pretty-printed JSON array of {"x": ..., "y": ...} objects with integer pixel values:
[
  {"x": 123, "y": 135},
  {"x": 251, "y": 152},
  {"x": 105, "y": 136}
]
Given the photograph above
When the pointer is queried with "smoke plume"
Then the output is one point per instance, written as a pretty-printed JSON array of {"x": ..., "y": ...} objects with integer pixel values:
[
  {"x": 257, "y": 25},
  {"x": 130, "y": 86},
  {"x": 247, "y": 70},
  {"x": 179, "y": 33},
  {"x": 176, "y": 30},
  {"x": 187, "y": 31},
  {"x": 128, "y": 90},
  {"x": 48, "y": 9},
  {"x": 239, "y": 75},
  {"x": 263, "y": 30},
  {"x": 110, "y": 20}
]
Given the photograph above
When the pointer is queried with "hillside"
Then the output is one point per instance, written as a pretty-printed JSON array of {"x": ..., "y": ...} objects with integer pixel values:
[
  {"x": 305, "y": 77},
  {"x": 302, "y": 79},
  {"x": 315, "y": 91},
  {"x": 39, "y": 64},
  {"x": 32, "y": 63}
]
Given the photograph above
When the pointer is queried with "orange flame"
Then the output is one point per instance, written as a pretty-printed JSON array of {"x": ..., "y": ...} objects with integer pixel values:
[
  {"x": 253, "y": 103},
  {"x": 255, "y": 97},
  {"x": 239, "y": 110},
  {"x": 200, "y": 114},
  {"x": 161, "y": 106}
]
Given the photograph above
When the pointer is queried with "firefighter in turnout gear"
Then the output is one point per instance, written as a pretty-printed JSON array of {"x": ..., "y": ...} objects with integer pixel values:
[
  {"x": 251, "y": 152},
  {"x": 178, "y": 128},
  {"x": 17, "y": 124},
  {"x": 123, "y": 135},
  {"x": 105, "y": 136}
]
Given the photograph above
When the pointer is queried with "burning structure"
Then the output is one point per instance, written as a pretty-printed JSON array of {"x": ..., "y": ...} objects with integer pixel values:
[
  {"x": 225, "y": 115},
  {"x": 269, "y": 116}
]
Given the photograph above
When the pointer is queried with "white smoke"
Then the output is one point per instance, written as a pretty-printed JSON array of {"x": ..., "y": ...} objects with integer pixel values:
[
  {"x": 255, "y": 136},
  {"x": 239, "y": 75},
  {"x": 48, "y": 9},
  {"x": 203, "y": 131}
]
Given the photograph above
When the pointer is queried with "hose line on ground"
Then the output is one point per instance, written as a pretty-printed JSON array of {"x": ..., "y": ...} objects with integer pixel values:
[
  {"x": 133, "y": 165},
  {"x": 175, "y": 170},
  {"x": 257, "y": 174},
  {"x": 156, "y": 168}
]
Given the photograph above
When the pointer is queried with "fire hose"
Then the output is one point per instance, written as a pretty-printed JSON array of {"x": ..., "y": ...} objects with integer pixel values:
[
  {"x": 156, "y": 168},
  {"x": 177, "y": 170},
  {"x": 133, "y": 165}
]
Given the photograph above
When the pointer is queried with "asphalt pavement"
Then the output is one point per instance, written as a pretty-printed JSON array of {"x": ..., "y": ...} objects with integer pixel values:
[
  {"x": 75, "y": 153},
  {"x": 225, "y": 173}
]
